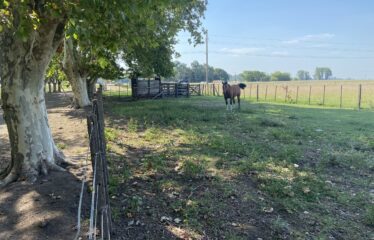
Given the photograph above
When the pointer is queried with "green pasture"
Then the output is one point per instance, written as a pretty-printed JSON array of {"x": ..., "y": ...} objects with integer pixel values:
[{"x": 271, "y": 171}]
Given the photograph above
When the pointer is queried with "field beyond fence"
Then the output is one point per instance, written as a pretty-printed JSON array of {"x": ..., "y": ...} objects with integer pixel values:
[{"x": 340, "y": 94}]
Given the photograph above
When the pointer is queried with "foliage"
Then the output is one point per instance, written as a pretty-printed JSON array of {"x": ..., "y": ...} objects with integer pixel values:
[
  {"x": 254, "y": 76},
  {"x": 280, "y": 76},
  {"x": 303, "y": 75},
  {"x": 197, "y": 72},
  {"x": 322, "y": 73}
]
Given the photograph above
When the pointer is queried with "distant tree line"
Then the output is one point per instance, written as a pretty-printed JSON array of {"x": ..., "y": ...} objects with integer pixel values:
[
  {"x": 196, "y": 73},
  {"x": 321, "y": 73}
]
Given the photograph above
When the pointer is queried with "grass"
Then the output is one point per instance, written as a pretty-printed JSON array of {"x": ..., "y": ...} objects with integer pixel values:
[
  {"x": 270, "y": 171},
  {"x": 322, "y": 93}
]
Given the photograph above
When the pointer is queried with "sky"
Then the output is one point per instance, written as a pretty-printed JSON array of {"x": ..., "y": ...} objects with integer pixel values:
[{"x": 287, "y": 35}]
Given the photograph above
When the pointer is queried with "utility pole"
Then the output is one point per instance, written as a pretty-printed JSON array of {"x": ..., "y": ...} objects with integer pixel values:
[{"x": 206, "y": 53}]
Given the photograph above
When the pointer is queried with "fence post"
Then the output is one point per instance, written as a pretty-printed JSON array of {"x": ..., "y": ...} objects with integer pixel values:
[
  {"x": 324, "y": 94},
  {"x": 285, "y": 97},
  {"x": 127, "y": 89},
  {"x": 119, "y": 91},
  {"x": 341, "y": 96},
  {"x": 257, "y": 93},
  {"x": 176, "y": 90},
  {"x": 266, "y": 92},
  {"x": 297, "y": 93},
  {"x": 275, "y": 94},
  {"x": 250, "y": 91},
  {"x": 188, "y": 90},
  {"x": 310, "y": 91},
  {"x": 359, "y": 96}
]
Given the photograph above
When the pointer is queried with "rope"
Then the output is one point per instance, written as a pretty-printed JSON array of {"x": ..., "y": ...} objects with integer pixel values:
[
  {"x": 81, "y": 193},
  {"x": 92, "y": 201}
]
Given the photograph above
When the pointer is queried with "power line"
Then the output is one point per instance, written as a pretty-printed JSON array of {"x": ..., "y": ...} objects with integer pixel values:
[{"x": 280, "y": 56}]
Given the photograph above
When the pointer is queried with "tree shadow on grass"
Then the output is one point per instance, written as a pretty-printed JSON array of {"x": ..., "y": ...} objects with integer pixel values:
[{"x": 243, "y": 206}]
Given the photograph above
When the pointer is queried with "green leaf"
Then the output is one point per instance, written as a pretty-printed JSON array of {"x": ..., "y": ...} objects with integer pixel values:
[{"x": 75, "y": 36}]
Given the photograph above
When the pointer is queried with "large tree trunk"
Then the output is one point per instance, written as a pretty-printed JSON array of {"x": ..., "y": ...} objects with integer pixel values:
[
  {"x": 91, "y": 87},
  {"x": 76, "y": 78},
  {"x": 22, "y": 68}
]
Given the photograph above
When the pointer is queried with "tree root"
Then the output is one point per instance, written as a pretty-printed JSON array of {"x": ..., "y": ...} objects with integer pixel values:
[{"x": 11, "y": 173}]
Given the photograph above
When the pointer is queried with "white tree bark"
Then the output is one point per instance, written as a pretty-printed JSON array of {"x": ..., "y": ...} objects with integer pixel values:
[
  {"x": 76, "y": 78},
  {"x": 22, "y": 68}
]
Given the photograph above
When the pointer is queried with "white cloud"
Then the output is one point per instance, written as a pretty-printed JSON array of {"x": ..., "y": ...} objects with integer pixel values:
[
  {"x": 241, "y": 51},
  {"x": 310, "y": 37},
  {"x": 280, "y": 53}
]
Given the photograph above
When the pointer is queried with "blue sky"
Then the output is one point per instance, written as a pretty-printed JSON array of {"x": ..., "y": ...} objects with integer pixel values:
[{"x": 287, "y": 35}]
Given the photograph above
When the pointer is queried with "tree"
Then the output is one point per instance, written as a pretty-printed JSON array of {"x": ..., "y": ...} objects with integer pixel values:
[
  {"x": 220, "y": 74},
  {"x": 30, "y": 33},
  {"x": 303, "y": 75},
  {"x": 182, "y": 72},
  {"x": 280, "y": 76},
  {"x": 254, "y": 76},
  {"x": 197, "y": 72},
  {"x": 322, "y": 73},
  {"x": 146, "y": 42}
]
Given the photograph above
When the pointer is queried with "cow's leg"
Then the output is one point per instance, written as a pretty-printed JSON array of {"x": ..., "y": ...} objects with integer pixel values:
[
  {"x": 227, "y": 106},
  {"x": 239, "y": 102}
]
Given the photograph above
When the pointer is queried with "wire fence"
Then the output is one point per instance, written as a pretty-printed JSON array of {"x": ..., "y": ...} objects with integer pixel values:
[
  {"x": 100, "y": 223},
  {"x": 340, "y": 94}
]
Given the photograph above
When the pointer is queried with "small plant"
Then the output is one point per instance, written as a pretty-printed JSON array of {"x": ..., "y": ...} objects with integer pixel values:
[
  {"x": 267, "y": 122},
  {"x": 134, "y": 204},
  {"x": 155, "y": 162},
  {"x": 111, "y": 134},
  {"x": 369, "y": 216},
  {"x": 132, "y": 125},
  {"x": 61, "y": 145},
  {"x": 194, "y": 169}
]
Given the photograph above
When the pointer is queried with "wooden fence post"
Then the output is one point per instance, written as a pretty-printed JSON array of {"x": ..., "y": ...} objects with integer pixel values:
[
  {"x": 341, "y": 96},
  {"x": 310, "y": 92},
  {"x": 285, "y": 97},
  {"x": 257, "y": 93},
  {"x": 275, "y": 94},
  {"x": 119, "y": 91},
  {"x": 297, "y": 93},
  {"x": 324, "y": 94},
  {"x": 266, "y": 92},
  {"x": 359, "y": 96},
  {"x": 250, "y": 91}
]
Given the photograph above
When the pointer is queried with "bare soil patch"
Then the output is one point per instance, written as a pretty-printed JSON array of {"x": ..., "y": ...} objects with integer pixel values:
[{"x": 47, "y": 209}]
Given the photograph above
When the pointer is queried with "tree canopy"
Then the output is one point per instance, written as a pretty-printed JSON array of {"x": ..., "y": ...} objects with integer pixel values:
[
  {"x": 196, "y": 72},
  {"x": 254, "y": 76},
  {"x": 280, "y": 76},
  {"x": 303, "y": 75},
  {"x": 95, "y": 31},
  {"x": 322, "y": 73}
]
